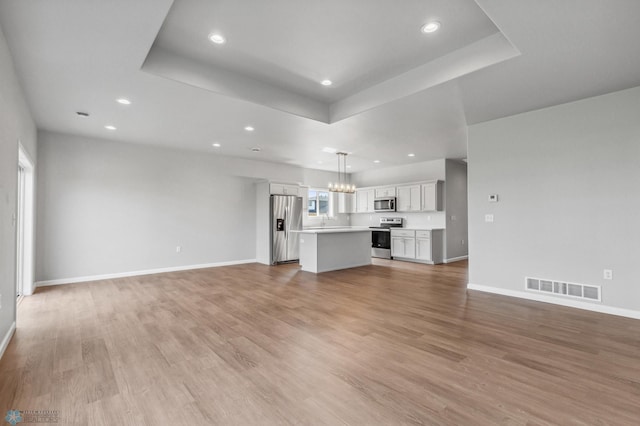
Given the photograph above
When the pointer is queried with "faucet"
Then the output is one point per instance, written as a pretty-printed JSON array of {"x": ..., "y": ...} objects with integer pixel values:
[{"x": 324, "y": 216}]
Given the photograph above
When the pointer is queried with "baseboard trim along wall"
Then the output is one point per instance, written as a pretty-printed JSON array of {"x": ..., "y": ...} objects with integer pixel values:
[
  {"x": 628, "y": 313},
  {"x": 7, "y": 339},
  {"x": 143, "y": 272},
  {"x": 455, "y": 259}
]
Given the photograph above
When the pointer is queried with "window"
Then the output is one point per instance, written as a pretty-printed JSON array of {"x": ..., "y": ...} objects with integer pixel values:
[{"x": 318, "y": 203}]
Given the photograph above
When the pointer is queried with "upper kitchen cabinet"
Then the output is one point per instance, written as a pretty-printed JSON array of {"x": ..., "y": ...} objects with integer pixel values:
[
  {"x": 432, "y": 195},
  {"x": 287, "y": 189},
  {"x": 408, "y": 198},
  {"x": 364, "y": 200},
  {"x": 384, "y": 192},
  {"x": 346, "y": 203}
]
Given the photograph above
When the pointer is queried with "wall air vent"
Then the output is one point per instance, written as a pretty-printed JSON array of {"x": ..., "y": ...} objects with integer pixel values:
[{"x": 563, "y": 288}]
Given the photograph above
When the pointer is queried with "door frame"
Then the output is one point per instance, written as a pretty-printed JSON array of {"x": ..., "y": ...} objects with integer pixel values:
[{"x": 25, "y": 247}]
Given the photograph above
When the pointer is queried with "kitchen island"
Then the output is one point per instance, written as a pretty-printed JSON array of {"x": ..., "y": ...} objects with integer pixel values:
[{"x": 330, "y": 249}]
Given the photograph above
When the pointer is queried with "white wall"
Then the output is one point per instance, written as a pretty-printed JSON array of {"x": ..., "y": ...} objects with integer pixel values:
[
  {"x": 15, "y": 124},
  {"x": 425, "y": 170},
  {"x": 107, "y": 207},
  {"x": 568, "y": 181}
]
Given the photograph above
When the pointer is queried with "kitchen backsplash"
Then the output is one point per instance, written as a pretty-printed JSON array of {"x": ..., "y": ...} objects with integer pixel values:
[{"x": 411, "y": 220}]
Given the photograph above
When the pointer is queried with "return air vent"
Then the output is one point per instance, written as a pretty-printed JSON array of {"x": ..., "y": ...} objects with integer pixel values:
[{"x": 562, "y": 288}]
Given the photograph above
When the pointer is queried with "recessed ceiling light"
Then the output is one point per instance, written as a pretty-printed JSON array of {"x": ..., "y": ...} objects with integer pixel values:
[
  {"x": 326, "y": 82},
  {"x": 82, "y": 114},
  {"x": 411, "y": 155},
  {"x": 123, "y": 101},
  {"x": 216, "y": 145},
  {"x": 430, "y": 27},
  {"x": 256, "y": 149},
  {"x": 110, "y": 127},
  {"x": 376, "y": 161},
  {"x": 217, "y": 38},
  {"x": 319, "y": 162},
  {"x": 249, "y": 129},
  {"x": 348, "y": 166}
]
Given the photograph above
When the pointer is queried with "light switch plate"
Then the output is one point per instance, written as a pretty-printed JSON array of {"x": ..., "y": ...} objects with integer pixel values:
[
  {"x": 493, "y": 198},
  {"x": 488, "y": 218}
]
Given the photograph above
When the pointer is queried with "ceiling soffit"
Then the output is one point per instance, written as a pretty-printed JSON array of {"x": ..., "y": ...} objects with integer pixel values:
[{"x": 400, "y": 63}]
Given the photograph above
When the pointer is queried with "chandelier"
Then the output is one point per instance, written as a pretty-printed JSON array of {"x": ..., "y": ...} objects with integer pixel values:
[{"x": 342, "y": 185}]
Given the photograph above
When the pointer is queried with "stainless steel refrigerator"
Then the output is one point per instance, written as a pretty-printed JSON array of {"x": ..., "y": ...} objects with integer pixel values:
[{"x": 286, "y": 216}]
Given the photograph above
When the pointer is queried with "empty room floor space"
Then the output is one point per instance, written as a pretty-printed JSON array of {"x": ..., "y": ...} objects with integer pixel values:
[{"x": 389, "y": 343}]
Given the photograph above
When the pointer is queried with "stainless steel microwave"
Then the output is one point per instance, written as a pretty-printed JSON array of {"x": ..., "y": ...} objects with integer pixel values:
[{"x": 386, "y": 204}]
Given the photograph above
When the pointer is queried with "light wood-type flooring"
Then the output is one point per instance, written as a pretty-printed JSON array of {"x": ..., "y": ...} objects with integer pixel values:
[{"x": 388, "y": 344}]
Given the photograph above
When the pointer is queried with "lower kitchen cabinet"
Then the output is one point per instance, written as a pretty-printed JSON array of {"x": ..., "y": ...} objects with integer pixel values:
[
  {"x": 424, "y": 246},
  {"x": 403, "y": 247},
  {"x": 403, "y": 243}
]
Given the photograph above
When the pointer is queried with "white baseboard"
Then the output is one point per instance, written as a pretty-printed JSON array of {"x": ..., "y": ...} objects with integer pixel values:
[
  {"x": 628, "y": 313},
  {"x": 455, "y": 259},
  {"x": 7, "y": 339},
  {"x": 143, "y": 272}
]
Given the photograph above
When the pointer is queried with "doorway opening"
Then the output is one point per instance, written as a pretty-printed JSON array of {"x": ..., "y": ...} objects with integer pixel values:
[{"x": 24, "y": 225}]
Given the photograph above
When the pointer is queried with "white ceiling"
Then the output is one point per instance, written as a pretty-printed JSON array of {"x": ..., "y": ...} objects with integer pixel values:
[
  {"x": 397, "y": 91},
  {"x": 297, "y": 44}
]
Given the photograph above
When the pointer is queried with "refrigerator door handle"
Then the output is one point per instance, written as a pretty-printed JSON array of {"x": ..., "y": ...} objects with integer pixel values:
[{"x": 285, "y": 222}]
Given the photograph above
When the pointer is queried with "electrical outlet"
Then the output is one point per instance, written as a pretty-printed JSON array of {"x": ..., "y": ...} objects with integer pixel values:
[
  {"x": 462, "y": 242},
  {"x": 488, "y": 218},
  {"x": 453, "y": 217},
  {"x": 607, "y": 274},
  {"x": 178, "y": 249}
]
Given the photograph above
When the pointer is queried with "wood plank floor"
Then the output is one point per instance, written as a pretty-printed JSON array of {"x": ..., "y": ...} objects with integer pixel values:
[{"x": 391, "y": 343}]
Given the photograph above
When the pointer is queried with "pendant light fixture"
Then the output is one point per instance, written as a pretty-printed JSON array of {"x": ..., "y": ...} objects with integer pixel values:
[{"x": 342, "y": 184}]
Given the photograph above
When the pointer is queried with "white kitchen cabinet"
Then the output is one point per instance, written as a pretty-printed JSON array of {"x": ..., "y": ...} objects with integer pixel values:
[
  {"x": 353, "y": 206},
  {"x": 386, "y": 191},
  {"x": 345, "y": 202},
  {"x": 423, "y": 245},
  {"x": 403, "y": 243},
  {"x": 361, "y": 201},
  {"x": 304, "y": 193},
  {"x": 286, "y": 189},
  {"x": 371, "y": 197},
  {"x": 397, "y": 247},
  {"x": 432, "y": 194},
  {"x": 364, "y": 200},
  {"x": 410, "y": 248},
  {"x": 408, "y": 198}
]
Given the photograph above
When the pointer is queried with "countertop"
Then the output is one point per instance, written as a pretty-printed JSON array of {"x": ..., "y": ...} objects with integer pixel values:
[
  {"x": 421, "y": 229},
  {"x": 330, "y": 230}
]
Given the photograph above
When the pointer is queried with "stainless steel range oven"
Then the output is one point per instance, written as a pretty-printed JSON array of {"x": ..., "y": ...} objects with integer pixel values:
[{"x": 381, "y": 236}]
